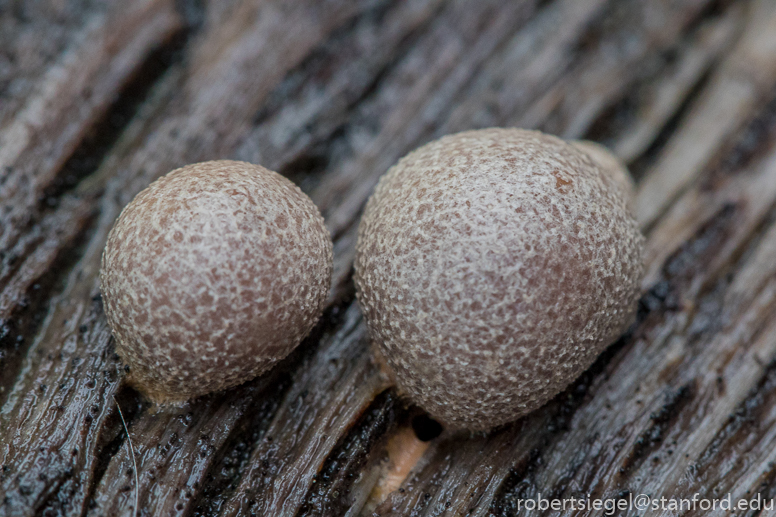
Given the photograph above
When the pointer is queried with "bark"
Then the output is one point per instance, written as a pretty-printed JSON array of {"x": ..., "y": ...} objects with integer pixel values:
[{"x": 331, "y": 94}]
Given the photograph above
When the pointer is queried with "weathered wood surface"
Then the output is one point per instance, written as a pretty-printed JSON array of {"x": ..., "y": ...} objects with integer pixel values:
[{"x": 98, "y": 98}]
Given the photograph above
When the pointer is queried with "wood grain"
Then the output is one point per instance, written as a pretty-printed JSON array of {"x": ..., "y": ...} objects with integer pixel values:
[{"x": 331, "y": 93}]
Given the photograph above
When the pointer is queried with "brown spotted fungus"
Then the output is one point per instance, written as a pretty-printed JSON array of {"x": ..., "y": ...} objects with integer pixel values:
[
  {"x": 211, "y": 275},
  {"x": 493, "y": 266}
]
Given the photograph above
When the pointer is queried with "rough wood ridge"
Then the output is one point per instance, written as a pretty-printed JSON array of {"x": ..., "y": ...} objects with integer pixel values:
[{"x": 331, "y": 93}]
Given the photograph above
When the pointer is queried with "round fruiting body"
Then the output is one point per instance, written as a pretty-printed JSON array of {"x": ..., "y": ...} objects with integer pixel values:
[
  {"x": 492, "y": 267},
  {"x": 211, "y": 275},
  {"x": 610, "y": 165}
]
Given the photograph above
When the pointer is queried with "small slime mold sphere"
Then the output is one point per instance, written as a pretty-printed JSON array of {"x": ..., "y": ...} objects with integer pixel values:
[
  {"x": 492, "y": 267},
  {"x": 211, "y": 275}
]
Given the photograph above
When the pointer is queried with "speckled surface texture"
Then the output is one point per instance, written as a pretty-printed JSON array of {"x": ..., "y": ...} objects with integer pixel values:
[
  {"x": 211, "y": 275},
  {"x": 611, "y": 165},
  {"x": 493, "y": 266}
]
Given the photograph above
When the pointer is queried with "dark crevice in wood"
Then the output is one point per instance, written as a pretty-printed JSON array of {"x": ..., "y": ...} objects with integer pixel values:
[
  {"x": 639, "y": 167},
  {"x": 623, "y": 111},
  {"x": 710, "y": 310},
  {"x": 694, "y": 255},
  {"x": 303, "y": 168},
  {"x": 519, "y": 484},
  {"x": 233, "y": 457},
  {"x": 132, "y": 404},
  {"x": 750, "y": 247},
  {"x": 601, "y": 26},
  {"x": 714, "y": 9},
  {"x": 748, "y": 413},
  {"x": 541, "y": 4},
  {"x": 617, "y": 116},
  {"x": 690, "y": 261},
  {"x": 331, "y": 491},
  {"x": 661, "y": 297},
  {"x": 750, "y": 144},
  {"x": 708, "y": 314},
  {"x": 738, "y": 434},
  {"x": 22, "y": 61},
  {"x": 55, "y": 471},
  {"x": 426, "y": 428},
  {"x": 193, "y": 13},
  {"x": 653, "y": 436},
  {"x": 100, "y": 139},
  {"x": 23, "y": 322},
  {"x": 317, "y": 64},
  {"x": 111, "y": 438},
  {"x": 641, "y": 164},
  {"x": 683, "y": 276}
]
